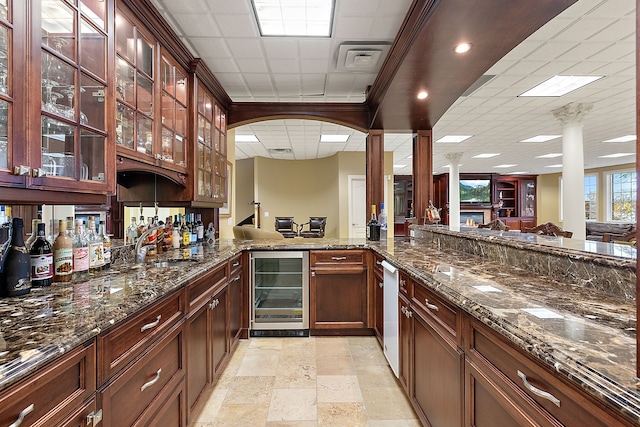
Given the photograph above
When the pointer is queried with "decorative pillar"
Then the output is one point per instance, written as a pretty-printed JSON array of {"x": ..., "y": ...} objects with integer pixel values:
[
  {"x": 454, "y": 190},
  {"x": 422, "y": 173},
  {"x": 571, "y": 116},
  {"x": 375, "y": 171}
]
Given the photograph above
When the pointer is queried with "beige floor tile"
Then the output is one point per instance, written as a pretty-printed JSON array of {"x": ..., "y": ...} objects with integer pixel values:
[
  {"x": 370, "y": 376},
  {"x": 296, "y": 374},
  {"x": 259, "y": 362},
  {"x": 332, "y": 346},
  {"x": 293, "y": 405},
  {"x": 338, "y": 388},
  {"x": 367, "y": 355},
  {"x": 340, "y": 364},
  {"x": 311, "y": 423},
  {"x": 242, "y": 415},
  {"x": 250, "y": 390},
  {"x": 341, "y": 414},
  {"x": 387, "y": 403},
  {"x": 393, "y": 423},
  {"x": 209, "y": 405},
  {"x": 201, "y": 424},
  {"x": 270, "y": 343},
  {"x": 367, "y": 341}
]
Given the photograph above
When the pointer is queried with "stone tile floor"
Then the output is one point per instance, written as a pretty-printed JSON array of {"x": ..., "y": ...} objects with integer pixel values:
[{"x": 316, "y": 381}]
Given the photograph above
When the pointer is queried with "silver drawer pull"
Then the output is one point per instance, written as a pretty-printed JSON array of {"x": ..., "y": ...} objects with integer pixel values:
[
  {"x": 409, "y": 313},
  {"x": 537, "y": 391},
  {"x": 379, "y": 262},
  {"x": 235, "y": 279},
  {"x": 403, "y": 309},
  {"x": 26, "y": 411},
  {"x": 431, "y": 306},
  {"x": 94, "y": 419},
  {"x": 403, "y": 283},
  {"x": 152, "y": 382},
  {"x": 381, "y": 284},
  {"x": 338, "y": 258},
  {"x": 235, "y": 264},
  {"x": 151, "y": 325}
]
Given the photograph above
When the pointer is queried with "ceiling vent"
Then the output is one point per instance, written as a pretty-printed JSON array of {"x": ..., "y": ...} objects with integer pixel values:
[
  {"x": 279, "y": 150},
  {"x": 357, "y": 57}
]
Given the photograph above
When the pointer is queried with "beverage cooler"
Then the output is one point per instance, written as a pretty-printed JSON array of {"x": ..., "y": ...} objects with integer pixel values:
[{"x": 279, "y": 293}]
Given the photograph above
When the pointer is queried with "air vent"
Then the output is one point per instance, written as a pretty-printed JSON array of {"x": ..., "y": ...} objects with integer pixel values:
[
  {"x": 360, "y": 57},
  {"x": 483, "y": 80},
  {"x": 279, "y": 150}
]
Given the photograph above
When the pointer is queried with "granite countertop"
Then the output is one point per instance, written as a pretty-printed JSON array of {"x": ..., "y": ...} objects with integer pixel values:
[{"x": 587, "y": 337}]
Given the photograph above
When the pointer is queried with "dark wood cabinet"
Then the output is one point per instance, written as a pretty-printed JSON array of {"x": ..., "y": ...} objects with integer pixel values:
[
  {"x": 238, "y": 304},
  {"x": 198, "y": 360},
  {"x": 378, "y": 297},
  {"x": 338, "y": 297},
  {"x": 405, "y": 348},
  {"x": 219, "y": 306}
]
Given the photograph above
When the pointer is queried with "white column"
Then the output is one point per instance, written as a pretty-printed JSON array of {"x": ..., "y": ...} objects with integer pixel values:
[
  {"x": 454, "y": 190},
  {"x": 571, "y": 116}
]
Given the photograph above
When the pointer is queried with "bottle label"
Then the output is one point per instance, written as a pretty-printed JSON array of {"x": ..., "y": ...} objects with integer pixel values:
[
  {"x": 63, "y": 261},
  {"x": 42, "y": 266},
  {"x": 96, "y": 257},
  {"x": 81, "y": 258},
  {"x": 106, "y": 249},
  {"x": 186, "y": 238}
]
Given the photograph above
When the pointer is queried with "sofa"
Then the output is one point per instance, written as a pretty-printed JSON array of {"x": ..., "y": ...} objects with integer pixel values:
[
  {"x": 253, "y": 233},
  {"x": 609, "y": 231}
]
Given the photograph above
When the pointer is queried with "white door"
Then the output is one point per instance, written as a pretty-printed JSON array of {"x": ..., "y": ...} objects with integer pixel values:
[{"x": 357, "y": 207}]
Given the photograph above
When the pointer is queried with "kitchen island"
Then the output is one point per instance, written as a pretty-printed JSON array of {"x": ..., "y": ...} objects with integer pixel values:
[{"x": 585, "y": 334}]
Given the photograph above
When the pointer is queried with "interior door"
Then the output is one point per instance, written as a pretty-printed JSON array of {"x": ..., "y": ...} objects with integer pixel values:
[{"x": 357, "y": 207}]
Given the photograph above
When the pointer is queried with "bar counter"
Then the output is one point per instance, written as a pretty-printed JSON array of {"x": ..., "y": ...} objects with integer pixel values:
[{"x": 584, "y": 333}]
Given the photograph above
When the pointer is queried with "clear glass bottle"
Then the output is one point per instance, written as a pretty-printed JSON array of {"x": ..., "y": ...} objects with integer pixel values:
[
  {"x": 34, "y": 233},
  {"x": 106, "y": 246},
  {"x": 96, "y": 256},
  {"x": 80, "y": 253},
  {"x": 16, "y": 264},
  {"x": 41, "y": 258},
  {"x": 200, "y": 228},
  {"x": 62, "y": 254},
  {"x": 132, "y": 232}
]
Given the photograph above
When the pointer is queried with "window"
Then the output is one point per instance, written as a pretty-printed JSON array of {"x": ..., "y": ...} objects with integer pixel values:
[
  {"x": 622, "y": 196},
  {"x": 591, "y": 197}
]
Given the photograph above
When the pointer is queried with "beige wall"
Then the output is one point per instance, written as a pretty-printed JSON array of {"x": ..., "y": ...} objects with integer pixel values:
[
  {"x": 226, "y": 222},
  {"x": 548, "y": 193}
]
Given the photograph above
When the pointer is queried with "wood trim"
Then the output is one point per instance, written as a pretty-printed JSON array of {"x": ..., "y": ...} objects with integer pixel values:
[
  {"x": 422, "y": 172},
  {"x": 375, "y": 169},
  {"x": 211, "y": 83},
  {"x": 352, "y": 115}
]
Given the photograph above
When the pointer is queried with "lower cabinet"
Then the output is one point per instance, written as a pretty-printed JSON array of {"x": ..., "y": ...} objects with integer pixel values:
[
  {"x": 404, "y": 342},
  {"x": 378, "y": 303},
  {"x": 85, "y": 416},
  {"x": 237, "y": 301},
  {"x": 219, "y": 334}
]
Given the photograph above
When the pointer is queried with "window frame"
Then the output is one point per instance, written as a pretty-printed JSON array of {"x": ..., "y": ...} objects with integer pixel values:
[{"x": 609, "y": 194}]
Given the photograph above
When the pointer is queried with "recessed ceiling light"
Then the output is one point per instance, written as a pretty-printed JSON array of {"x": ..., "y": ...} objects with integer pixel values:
[
  {"x": 453, "y": 138},
  {"x": 462, "y": 48},
  {"x": 303, "y": 18},
  {"x": 505, "y": 166},
  {"x": 560, "y": 85},
  {"x": 399, "y": 166},
  {"x": 558, "y": 165},
  {"x": 616, "y": 155},
  {"x": 519, "y": 173},
  {"x": 626, "y": 138},
  {"x": 549, "y": 156},
  {"x": 485, "y": 155},
  {"x": 247, "y": 138},
  {"x": 448, "y": 166},
  {"x": 423, "y": 95},
  {"x": 334, "y": 138},
  {"x": 541, "y": 138},
  {"x": 410, "y": 156}
]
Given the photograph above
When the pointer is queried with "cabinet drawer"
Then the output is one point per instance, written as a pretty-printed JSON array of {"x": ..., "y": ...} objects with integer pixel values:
[
  {"x": 518, "y": 372},
  {"x": 377, "y": 264},
  {"x": 235, "y": 265},
  {"x": 53, "y": 392},
  {"x": 332, "y": 258},
  {"x": 405, "y": 285},
  {"x": 132, "y": 393},
  {"x": 118, "y": 347},
  {"x": 428, "y": 302},
  {"x": 200, "y": 290}
]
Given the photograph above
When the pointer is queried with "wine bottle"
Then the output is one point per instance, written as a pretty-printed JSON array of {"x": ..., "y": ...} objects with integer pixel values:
[
  {"x": 34, "y": 233},
  {"x": 168, "y": 235},
  {"x": 106, "y": 246},
  {"x": 373, "y": 226},
  {"x": 186, "y": 233},
  {"x": 80, "y": 253},
  {"x": 96, "y": 257},
  {"x": 200, "y": 227},
  {"x": 41, "y": 259},
  {"x": 62, "y": 254},
  {"x": 16, "y": 265}
]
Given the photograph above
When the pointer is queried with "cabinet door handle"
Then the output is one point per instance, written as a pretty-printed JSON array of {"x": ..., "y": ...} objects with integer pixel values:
[
  {"x": 313, "y": 274},
  {"x": 379, "y": 262},
  {"x": 403, "y": 283},
  {"x": 537, "y": 391},
  {"x": 152, "y": 324},
  {"x": 403, "y": 309},
  {"x": 431, "y": 306},
  {"x": 235, "y": 279},
  {"x": 21, "y": 170},
  {"x": 409, "y": 313},
  {"x": 235, "y": 264},
  {"x": 26, "y": 411},
  {"x": 381, "y": 284},
  {"x": 152, "y": 382},
  {"x": 94, "y": 419},
  {"x": 338, "y": 258}
]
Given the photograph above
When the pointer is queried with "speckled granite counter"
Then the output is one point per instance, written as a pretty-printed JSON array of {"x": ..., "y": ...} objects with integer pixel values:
[{"x": 582, "y": 334}]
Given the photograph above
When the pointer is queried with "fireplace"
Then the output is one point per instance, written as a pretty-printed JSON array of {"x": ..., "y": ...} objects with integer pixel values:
[{"x": 478, "y": 217}]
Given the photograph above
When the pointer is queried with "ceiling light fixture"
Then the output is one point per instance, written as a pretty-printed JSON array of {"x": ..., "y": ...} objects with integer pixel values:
[
  {"x": 626, "y": 138},
  {"x": 558, "y": 165},
  {"x": 541, "y": 138},
  {"x": 462, "y": 48},
  {"x": 560, "y": 85},
  {"x": 423, "y": 95},
  {"x": 334, "y": 138},
  {"x": 453, "y": 138},
  {"x": 485, "y": 155},
  {"x": 304, "y": 18},
  {"x": 399, "y": 166},
  {"x": 247, "y": 138},
  {"x": 505, "y": 166},
  {"x": 549, "y": 156},
  {"x": 616, "y": 155}
]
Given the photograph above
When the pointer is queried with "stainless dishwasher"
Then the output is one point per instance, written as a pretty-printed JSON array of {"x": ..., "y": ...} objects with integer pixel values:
[{"x": 279, "y": 293}]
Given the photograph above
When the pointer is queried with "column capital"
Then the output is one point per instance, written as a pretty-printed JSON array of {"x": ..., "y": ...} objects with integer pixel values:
[
  {"x": 572, "y": 112},
  {"x": 454, "y": 158}
]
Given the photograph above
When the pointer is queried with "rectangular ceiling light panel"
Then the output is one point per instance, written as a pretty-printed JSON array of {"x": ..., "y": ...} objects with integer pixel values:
[
  {"x": 299, "y": 18},
  {"x": 560, "y": 85}
]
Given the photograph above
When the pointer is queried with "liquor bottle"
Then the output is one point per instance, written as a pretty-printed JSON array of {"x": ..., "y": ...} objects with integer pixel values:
[
  {"x": 96, "y": 257},
  {"x": 62, "y": 254},
  {"x": 106, "y": 246},
  {"x": 41, "y": 259},
  {"x": 132, "y": 232},
  {"x": 151, "y": 241},
  {"x": 382, "y": 219},
  {"x": 200, "y": 228},
  {"x": 185, "y": 232},
  {"x": 168, "y": 235},
  {"x": 34, "y": 233},
  {"x": 16, "y": 264},
  {"x": 194, "y": 229},
  {"x": 80, "y": 253},
  {"x": 373, "y": 226}
]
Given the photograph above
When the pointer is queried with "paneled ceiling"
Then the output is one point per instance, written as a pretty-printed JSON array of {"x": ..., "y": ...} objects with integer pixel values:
[{"x": 590, "y": 37}]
